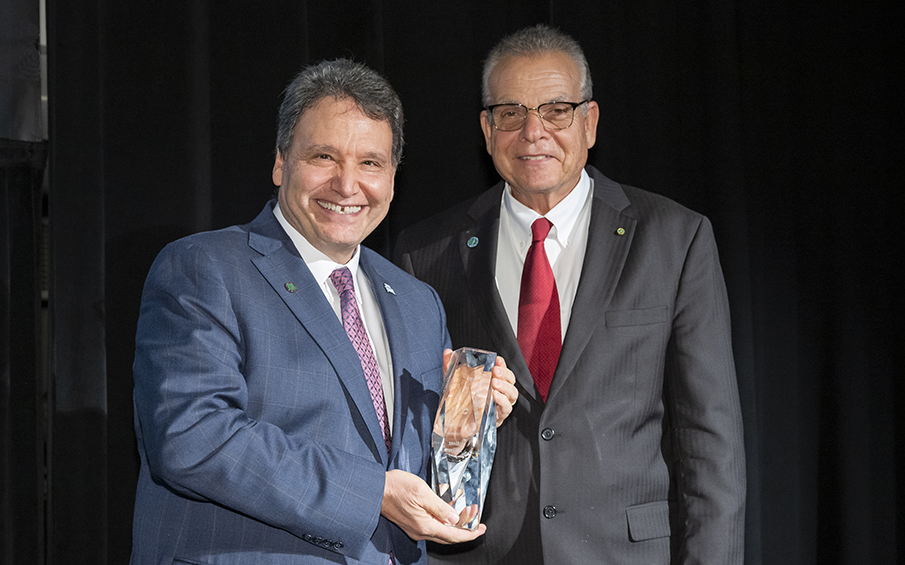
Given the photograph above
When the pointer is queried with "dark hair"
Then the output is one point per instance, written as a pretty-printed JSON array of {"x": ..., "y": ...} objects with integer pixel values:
[
  {"x": 341, "y": 79},
  {"x": 536, "y": 40}
]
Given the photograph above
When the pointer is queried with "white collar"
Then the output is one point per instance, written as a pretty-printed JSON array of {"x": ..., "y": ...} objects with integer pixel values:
[
  {"x": 318, "y": 263},
  {"x": 563, "y": 216}
]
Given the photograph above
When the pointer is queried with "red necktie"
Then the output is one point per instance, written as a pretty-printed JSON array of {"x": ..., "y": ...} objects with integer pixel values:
[
  {"x": 539, "y": 331},
  {"x": 355, "y": 329}
]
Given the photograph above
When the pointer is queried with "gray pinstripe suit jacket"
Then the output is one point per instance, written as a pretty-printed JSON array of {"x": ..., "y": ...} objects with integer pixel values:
[
  {"x": 637, "y": 456},
  {"x": 257, "y": 434}
]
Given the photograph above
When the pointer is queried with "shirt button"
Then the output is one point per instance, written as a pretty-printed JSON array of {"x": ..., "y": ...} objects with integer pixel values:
[
  {"x": 547, "y": 434},
  {"x": 549, "y": 511}
]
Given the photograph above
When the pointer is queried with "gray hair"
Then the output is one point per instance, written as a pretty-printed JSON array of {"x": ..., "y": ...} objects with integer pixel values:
[
  {"x": 341, "y": 79},
  {"x": 536, "y": 40}
]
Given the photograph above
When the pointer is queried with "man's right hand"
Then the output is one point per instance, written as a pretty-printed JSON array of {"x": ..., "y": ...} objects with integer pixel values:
[{"x": 410, "y": 503}]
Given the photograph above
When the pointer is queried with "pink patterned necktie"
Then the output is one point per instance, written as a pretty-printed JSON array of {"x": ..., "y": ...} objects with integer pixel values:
[
  {"x": 539, "y": 331},
  {"x": 355, "y": 329}
]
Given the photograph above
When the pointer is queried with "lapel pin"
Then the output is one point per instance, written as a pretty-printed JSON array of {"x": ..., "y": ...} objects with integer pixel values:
[
  {"x": 620, "y": 231},
  {"x": 389, "y": 289},
  {"x": 290, "y": 287},
  {"x": 472, "y": 242}
]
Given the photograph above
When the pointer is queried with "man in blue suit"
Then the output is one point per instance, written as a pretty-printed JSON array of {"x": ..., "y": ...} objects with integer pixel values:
[{"x": 286, "y": 378}]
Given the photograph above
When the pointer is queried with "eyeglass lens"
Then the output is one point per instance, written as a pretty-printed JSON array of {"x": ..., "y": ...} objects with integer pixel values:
[{"x": 510, "y": 117}]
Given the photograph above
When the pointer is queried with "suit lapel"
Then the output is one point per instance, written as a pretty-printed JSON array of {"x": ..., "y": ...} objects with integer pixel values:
[
  {"x": 479, "y": 261},
  {"x": 609, "y": 239},
  {"x": 287, "y": 273}
]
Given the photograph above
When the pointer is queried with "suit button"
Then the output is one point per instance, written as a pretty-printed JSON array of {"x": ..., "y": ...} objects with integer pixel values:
[
  {"x": 549, "y": 511},
  {"x": 547, "y": 434},
  {"x": 337, "y": 545},
  {"x": 308, "y": 537}
]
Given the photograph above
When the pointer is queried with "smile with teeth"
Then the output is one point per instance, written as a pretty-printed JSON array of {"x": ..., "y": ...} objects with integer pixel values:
[
  {"x": 339, "y": 209},
  {"x": 533, "y": 157}
]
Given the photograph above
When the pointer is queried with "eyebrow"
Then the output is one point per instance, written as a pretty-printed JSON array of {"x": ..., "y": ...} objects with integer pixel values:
[
  {"x": 319, "y": 148},
  {"x": 376, "y": 155},
  {"x": 564, "y": 98}
]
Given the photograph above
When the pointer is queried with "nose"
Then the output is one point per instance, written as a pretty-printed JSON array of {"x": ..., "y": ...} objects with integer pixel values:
[
  {"x": 534, "y": 126},
  {"x": 345, "y": 182}
]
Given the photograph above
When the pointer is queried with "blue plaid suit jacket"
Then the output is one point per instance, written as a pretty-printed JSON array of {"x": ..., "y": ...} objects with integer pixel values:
[{"x": 256, "y": 431}]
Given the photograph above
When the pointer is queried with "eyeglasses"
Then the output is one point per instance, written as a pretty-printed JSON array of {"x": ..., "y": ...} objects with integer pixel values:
[{"x": 555, "y": 115}]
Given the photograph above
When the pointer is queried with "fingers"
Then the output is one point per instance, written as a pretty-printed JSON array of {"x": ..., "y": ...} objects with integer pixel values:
[
  {"x": 503, "y": 407},
  {"x": 412, "y": 505},
  {"x": 447, "y": 354},
  {"x": 458, "y": 535},
  {"x": 439, "y": 510},
  {"x": 501, "y": 371},
  {"x": 505, "y": 394}
]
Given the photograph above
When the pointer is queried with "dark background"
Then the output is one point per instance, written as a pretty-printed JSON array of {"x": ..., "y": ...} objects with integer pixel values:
[{"x": 779, "y": 120}]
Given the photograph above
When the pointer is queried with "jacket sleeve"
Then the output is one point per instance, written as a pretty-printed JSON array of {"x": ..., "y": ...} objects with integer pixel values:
[{"x": 705, "y": 416}]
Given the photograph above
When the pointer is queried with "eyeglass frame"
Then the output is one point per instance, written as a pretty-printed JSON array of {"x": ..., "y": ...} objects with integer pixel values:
[{"x": 537, "y": 108}]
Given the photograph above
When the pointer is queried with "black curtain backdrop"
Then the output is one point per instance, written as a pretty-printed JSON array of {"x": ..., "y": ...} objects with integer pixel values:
[{"x": 779, "y": 120}]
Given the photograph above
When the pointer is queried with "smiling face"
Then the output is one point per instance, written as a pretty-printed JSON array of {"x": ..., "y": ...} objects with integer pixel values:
[
  {"x": 336, "y": 180},
  {"x": 541, "y": 166}
]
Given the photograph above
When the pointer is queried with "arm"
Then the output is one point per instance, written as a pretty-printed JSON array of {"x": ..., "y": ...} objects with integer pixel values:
[
  {"x": 192, "y": 397},
  {"x": 704, "y": 411}
]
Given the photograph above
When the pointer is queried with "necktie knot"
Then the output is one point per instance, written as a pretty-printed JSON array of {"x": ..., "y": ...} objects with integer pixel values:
[
  {"x": 539, "y": 229},
  {"x": 342, "y": 280}
]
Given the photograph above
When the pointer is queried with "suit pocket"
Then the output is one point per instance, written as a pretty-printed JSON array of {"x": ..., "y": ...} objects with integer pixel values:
[
  {"x": 648, "y": 521},
  {"x": 643, "y": 317}
]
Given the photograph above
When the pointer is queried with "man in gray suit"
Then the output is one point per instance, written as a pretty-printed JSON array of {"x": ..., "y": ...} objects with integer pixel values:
[
  {"x": 625, "y": 446},
  {"x": 287, "y": 377}
]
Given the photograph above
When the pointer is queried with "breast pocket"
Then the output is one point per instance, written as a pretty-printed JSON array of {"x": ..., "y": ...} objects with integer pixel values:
[{"x": 641, "y": 317}]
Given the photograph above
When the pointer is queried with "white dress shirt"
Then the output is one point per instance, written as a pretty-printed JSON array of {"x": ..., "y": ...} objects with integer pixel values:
[
  {"x": 565, "y": 247},
  {"x": 321, "y": 267}
]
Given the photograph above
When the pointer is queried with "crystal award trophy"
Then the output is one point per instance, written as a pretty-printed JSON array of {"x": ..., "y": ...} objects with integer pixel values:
[{"x": 464, "y": 435}]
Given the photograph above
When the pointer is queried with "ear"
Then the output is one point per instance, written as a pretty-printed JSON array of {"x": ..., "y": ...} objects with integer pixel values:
[
  {"x": 590, "y": 123},
  {"x": 278, "y": 169},
  {"x": 487, "y": 129}
]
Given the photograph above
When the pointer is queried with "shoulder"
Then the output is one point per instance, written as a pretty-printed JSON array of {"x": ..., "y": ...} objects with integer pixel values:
[
  {"x": 656, "y": 211},
  {"x": 233, "y": 243},
  {"x": 225, "y": 246},
  {"x": 440, "y": 228},
  {"x": 650, "y": 210},
  {"x": 646, "y": 203},
  {"x": 660, "y": 225},
  {"x": 636, "y": 202}
]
